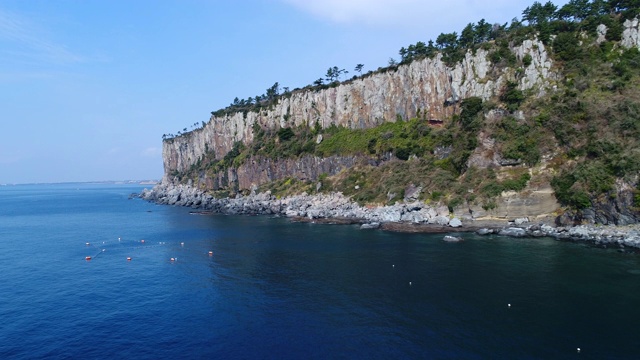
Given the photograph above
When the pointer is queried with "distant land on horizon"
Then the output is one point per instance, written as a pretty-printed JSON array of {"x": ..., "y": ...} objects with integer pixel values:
[{"x": 114, "y": 182}]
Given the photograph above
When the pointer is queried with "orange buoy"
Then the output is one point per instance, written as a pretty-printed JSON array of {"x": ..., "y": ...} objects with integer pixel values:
[
  {"x": 87, "y": 258},
  {"x": 129, "y": 259},
  {"x": 210, "y": 253}
]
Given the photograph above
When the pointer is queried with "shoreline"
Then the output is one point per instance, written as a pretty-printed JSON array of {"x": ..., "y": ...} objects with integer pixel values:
[{"x": 415, "y": 217}]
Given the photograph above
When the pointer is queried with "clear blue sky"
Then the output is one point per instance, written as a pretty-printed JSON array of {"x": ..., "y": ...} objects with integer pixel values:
[{"x": 88, "y": 88}]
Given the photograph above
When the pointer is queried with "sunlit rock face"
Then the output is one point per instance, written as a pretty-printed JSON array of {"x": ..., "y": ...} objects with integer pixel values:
[
  {"x": 427, "y": 88},
  {"x": 631, "y": 34}
]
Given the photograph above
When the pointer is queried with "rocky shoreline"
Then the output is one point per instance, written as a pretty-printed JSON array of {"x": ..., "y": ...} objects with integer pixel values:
[{"x": 406, "y": 217}]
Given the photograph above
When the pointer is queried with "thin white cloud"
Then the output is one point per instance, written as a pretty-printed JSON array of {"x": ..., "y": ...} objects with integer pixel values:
[
  {"x": 25, "y": 75},
  {"x": 152, "y": 152},
  {"x": 30, "y": 42},
  {"x": 4, "y": 159},
  {"x": 342, "y": 11},
  {"x": 411, "y": 13},
  {"x": 114, "y": 150}
]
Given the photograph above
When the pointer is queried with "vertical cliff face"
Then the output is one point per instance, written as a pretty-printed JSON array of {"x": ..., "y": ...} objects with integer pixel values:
[{"x": 427, "y": 87}]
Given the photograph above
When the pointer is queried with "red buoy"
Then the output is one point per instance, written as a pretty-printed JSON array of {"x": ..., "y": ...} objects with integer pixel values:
[
  {"x": 210, "y": 253},
  {"x": 87, "y": 258},
  {"x": 129, "y": 259}
]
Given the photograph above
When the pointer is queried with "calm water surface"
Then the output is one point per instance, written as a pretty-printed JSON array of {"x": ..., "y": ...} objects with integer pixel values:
[{"x": 280, "y": 290}]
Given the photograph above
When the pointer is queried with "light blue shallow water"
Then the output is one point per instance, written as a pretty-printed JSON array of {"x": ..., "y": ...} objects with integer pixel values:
[{"x": 281, "y": 290}]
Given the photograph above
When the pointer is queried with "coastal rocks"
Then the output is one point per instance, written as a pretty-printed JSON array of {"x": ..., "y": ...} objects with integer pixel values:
[
  {"x": 520, "y": 221},
  {"x": 374, "y": 225},
  {"x": 452, "y": 239},
  {"x": 318, "y": 206},
  {"x": 599, "y": 235},
  {"x": 439, "y": 220},
  {"x": 413, "y": 217},
  {"x": 513, "y": 232},
  {"x": 455, "y": 222},
  {"x": 485, "y": 231}
]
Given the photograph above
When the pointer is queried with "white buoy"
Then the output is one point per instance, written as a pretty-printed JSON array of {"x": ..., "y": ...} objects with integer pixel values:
[
  {"x": 393, "y": 266},
  {"x": 578, "y": 349},
  {"x": 508, "y": 305},
  {"x": 409, "y": 283},
  {"x": 181, "y": 244},
  {"x": 118, "y": 239}
]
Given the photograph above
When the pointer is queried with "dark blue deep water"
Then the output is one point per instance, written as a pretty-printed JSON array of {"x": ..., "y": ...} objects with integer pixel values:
[{"x": 280, "y": 290}]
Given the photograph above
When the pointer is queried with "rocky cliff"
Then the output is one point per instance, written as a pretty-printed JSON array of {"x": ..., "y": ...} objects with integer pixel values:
[
  {"x": 427, "y": 86},
  {"x": 433, "y": 92}
]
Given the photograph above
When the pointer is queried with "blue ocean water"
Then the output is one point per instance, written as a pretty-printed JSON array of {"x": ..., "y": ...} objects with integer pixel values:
[{"x": 273, "y": 289}]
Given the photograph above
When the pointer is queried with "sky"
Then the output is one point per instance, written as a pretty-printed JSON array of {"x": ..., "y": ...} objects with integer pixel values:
[{"x": 88, "y": 88}]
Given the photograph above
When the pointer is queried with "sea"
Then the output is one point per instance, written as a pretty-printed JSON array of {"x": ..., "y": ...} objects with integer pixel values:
[{"x": 166, "y": 283}]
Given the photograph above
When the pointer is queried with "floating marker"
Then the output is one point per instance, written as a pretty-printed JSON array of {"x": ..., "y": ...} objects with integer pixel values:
[
  {"x": 172, "y": 259},
  {"x": 87, "y": 258},
  {"x": 118, "y": 239},
  {"x": 103, "y": 250},
  {"x": 210, "y": 253},
  {"x": 181, "y": 244},
  {"x": 409, "y": 283},
  {"x": 141, "y": 241},
  {"x": 129, "y": 259},
  {"x": 578, "y": 349},
  {"x": 88, "y": 244},
  {"x": 393, "y": 266},
  {"x": 508, "y": 305}
]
